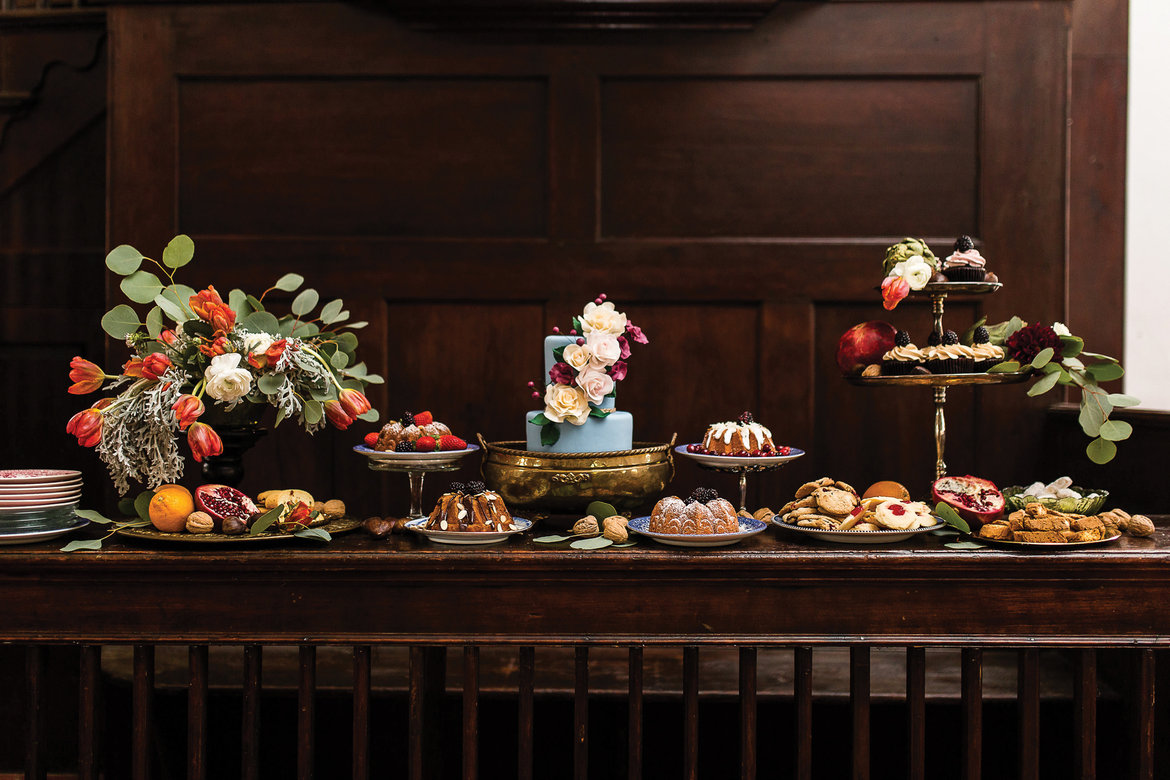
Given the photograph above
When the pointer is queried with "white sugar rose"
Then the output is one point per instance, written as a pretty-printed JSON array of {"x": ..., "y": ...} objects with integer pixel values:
[
  {"x": 596, "y": 383},
  {"x": 256, "y": 343},
  {"x": 226, "y": 381},
  {"x": 565, "y": 403},
  {"x": 577, "y": 356},
  {"x": 603, "y": 318},
  {"x": 915, "y": 271},
  {"x": 604, "y": 348}
]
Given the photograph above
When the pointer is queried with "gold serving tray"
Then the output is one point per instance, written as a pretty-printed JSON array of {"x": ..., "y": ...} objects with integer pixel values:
[
  {"x": 958, "y": 288},
  {"x": 338, "y": 526},
  {"x": 940, "y": 380}
]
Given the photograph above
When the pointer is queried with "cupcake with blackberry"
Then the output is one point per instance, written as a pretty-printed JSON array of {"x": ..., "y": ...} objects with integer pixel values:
[
  {"x": 949, "y": 356},
  {"x": 986, "y": 354},
  {"x": 965, "y": 264},
  {"x": 903, "y": 358}
]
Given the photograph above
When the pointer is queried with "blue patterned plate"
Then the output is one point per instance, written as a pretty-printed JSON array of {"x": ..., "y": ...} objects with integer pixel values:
[{"x": 747, "y": 527}]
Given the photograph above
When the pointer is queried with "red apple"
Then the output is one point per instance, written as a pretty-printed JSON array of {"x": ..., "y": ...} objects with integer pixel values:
[{"x": 863, "y": 345}]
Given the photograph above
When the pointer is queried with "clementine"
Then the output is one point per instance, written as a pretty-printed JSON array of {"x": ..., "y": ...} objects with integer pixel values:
[
  {"x": 169, "y": 508},
  {"x": 887, "y": 489}
]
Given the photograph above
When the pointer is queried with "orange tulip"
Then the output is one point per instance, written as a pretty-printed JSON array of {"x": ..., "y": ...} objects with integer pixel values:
[
  {"x": 203, "y": 441},
  {"x": 217, "y": 347},
  {"x": 133, "y": 367},
  {"x": 87, "y": 377},
  {"x": 86, "y": 425},
  {"x": 200, "y": 300},
  {"x": 168, "y": 337},
  {"x": 354, "y": 402},
  {"x": 221, "y": 317},
  {"x": 188, "y": 409},
  {"x": 155, "y": 365},
  {"x": 337, "y": 415}
]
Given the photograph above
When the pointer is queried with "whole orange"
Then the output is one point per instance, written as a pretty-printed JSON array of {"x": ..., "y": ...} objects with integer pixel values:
[
  {"x": 169, "y": 508},
  {"x": 887, "y": 489}
]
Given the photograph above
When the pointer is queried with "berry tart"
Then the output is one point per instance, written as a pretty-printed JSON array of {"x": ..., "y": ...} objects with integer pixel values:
[
  {"x": 903, "y": 358},
  {"x": 415, "y": 433}
]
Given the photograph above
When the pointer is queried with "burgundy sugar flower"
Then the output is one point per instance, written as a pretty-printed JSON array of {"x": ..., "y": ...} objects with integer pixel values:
[
  {"x": 636, "y": 333},
  {"x": 625, "y": 345},
  {"x": 562, "y": 373},
  {"x": 1028, "y": 342},
  {"x": 618, "y": 371}
]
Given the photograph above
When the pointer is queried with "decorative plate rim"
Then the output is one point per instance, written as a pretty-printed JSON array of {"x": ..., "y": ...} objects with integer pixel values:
[
  {"x": 481, "y": 537},
  {"x": 741, "y": 460},
  {"x": 410, "y": 457},
  {"x": 740, "y": 534}
]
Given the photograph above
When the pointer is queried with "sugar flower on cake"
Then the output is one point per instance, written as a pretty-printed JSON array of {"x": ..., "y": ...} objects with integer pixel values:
[
  {"x": 596, "y": 383},
  {"x": 223, "y": 353},
  {"x": 602, "y": 317},
  {"x": 565, "y": 403},
  {"x": 604, "y": 349}
]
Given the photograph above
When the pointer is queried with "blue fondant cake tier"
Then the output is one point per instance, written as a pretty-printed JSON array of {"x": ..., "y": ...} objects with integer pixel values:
[{"x": 598, "y": 434}]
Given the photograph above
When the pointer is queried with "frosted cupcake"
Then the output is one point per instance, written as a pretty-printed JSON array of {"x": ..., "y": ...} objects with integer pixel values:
[
  {"x": 904, "y": 358},
  {"x": 965, "y": 264},
  {"x": 986, "y": 354},
  {"x": 949, "y": 356}
]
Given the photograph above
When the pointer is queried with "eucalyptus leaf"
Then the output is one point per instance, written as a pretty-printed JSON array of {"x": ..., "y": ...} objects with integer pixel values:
[
  {"x": 945, "y": 531},
  {"x": 141, "y": 286},
  {"x": 126, "y": 507},
  {"x": 305, "y": 329},
  {"x": 357, "y": 370},
  {"x": 289, "y": 282},
  {"x": 1091, "y": 416},
  {"x": 951, "y": 517},
  {"x": 264, "y": 521},
  {"x": 625, "y": 544},
  {"x": 339, "y": 360},
  {"x": 549, "y": 435},
  {"x": 370, "y": 416},
  {"x": 280, "y": 413},
  {"x": 1000, "y": 332},
  {"x": 1071, "y": 346},
  {"x": 1043, "y": 357},
  {"x": 1097, "y": 356},
  {"x": 174, "y": 301},
  {"x": 142, "y": 504},
  {"x": 373, "y": 379},
  {"x": 1101, "y": 450},
  {"x": 1072, "y": 363},
  {"x": 82, "y": 544},
  {"x": 1044, "y": 384},
  {"x": 346, "y": 342},
  {"x": 172, "y": 309},
  {"x": 260, "y": 322},
  {"x": 1122, "y": 401},
  {"x": 964, "y": 545},
  {"x": 1006, "y": 367},
  {"x": 323, "y": 393},
  {"x": 178, "y": 252},
  {"x": 595, "y": 543},
  {"x": 198, "y": 328},
  {"x": 271, "y": 383},
  {"x": 357, "y": 325},
  {"x": 600, "y": 510},
  {"x": 238, "y": 300},
  {"x": 1116, "y": 430},
  {"x": 319, "y": 534},
  {"x": 92, "y": 515},
  {"x": 330, "y": 310},
  {"x": 120, "y": 321},
  {"x": 1105, "y": 372},
  {"x": 305, "y": 302},
  {"x": 124, "y": 260},
  {"x": 154, "y": 322},
  {"x": 552, "y": 539},
  {"x": 313, "y": 411},
  {"x": 254, "y": 302}
]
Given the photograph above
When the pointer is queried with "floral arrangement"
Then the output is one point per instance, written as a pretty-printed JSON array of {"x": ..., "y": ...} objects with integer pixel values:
[
  {"x": 908, "y": 265},
  {"x": 586, "y": 371},
  {"x": 232, "y": 353},
  {"x": 1059, "y": 358}
]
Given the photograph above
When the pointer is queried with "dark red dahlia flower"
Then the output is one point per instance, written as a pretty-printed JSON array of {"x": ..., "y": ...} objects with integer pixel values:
[{"x": 1028, "y": 342}]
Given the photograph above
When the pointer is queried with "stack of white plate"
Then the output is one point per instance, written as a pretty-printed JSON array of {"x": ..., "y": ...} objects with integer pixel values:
[{"x": 38, "y": 499}]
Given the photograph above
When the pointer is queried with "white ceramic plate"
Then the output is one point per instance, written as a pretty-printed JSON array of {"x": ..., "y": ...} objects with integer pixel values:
[
  {"x": 858, "y": 537},
  {"x": 26, "y": 506},
  {"x": 36, "y": 503},
  {"x": 468, "y": 537},
  {"x": 28, "y": 537},
  {"x": 37, "y": 476},
  {"x": 47, "y": 487},
  {"x": 747, "y": 527},
  {"x": 731, "y": 461},
  {"x": 416, "y": 458}
]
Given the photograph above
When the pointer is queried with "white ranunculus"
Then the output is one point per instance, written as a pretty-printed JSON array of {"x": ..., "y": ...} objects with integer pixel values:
[
  {"x": 226, "y": 381},
  {"x": 256, "y": 343},
  {"x": 566, "y": 403},
  {"x": 915, "y": 271},
  {"x": 577, "y": 356},
  {"x": 603, "y": 318},
  {"x": 1061, "y": 329}
]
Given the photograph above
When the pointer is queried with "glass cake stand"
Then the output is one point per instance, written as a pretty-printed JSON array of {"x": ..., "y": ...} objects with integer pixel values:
[
  {"x": 731, "y": 464},
  {"x": 416, "y": 465}
]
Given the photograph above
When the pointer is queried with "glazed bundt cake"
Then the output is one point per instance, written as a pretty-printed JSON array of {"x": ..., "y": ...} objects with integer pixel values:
[
  {"x": 471, "y": 507},
  {"x": 738, "y": 437},
  {"x": 703, "y": 512}
]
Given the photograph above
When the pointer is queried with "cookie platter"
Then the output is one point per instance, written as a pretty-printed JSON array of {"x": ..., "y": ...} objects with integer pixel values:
[{"x": 884, "y": 536}]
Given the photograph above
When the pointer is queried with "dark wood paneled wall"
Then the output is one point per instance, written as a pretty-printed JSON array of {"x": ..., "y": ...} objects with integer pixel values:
[{"x": 732, "y": 191}]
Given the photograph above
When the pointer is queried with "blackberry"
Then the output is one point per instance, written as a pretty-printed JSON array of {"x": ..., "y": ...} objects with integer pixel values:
[
  {"x": 934, "y": 339},
  {"x": 475, "y": 486},
  {"x": 981, "y": 335},
  {"x": 710, "y": 494},
  {"x": 407, "y": 419},
  {"x": 456, "y": 487},
  {"x": 964, "y": 244},
  {"x": 746, "y": 418},
  {"x": 950, "y": 337},
  {"x": 690, "y": 500},
  {"x": 698, "y": 494},
  {"x": 404, "y": 446},
  {"x": 902, "y": 338}
]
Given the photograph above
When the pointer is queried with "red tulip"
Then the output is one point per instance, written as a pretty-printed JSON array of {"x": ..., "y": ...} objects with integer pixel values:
[
  {"x": 168, "y": 337},
  {"x": 200, "y": 301},
  {"x": 155, "y": 365},
  {"x": 354, "y": 402},
  {"x": 337, "y": 415},
  {"x": 221, "y": 317},
  {"x": 275, "y": 352},
  {"x": 133, "y": 367},
  {"x": 87, "y": 377},
  {"x": 188, "y": 409},
  {"x": 86, "y": 425},
  {"x": 217, "y": 347},
  {"x": 203, "y": 441}
]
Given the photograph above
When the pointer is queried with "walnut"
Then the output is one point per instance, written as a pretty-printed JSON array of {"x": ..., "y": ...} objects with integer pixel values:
[
  {"x": 1139, "y": 525},
  {"x": 586, "y": 526},
  {"x": 332, "y": 508},
  {"x": 378, "y": 527},
  {"x": 200, "y": 523},
  {"x": 318, "y": 507},
  {"x": 615, "y": 528}
]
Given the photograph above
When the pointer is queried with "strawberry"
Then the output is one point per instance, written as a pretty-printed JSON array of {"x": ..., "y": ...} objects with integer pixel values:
[
  {"x": 371, "y": 438},
  {"x": 423, "y": 418},
  {"x": 426, "y": 444},
  {"x": 450, "y": 442}
]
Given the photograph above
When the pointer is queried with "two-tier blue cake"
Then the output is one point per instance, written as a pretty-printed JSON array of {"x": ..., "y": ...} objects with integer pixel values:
[{"x": 583, "y": 369}]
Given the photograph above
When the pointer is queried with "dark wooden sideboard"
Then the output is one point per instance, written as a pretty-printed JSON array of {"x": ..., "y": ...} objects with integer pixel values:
[{"x": 772, "y": 591}]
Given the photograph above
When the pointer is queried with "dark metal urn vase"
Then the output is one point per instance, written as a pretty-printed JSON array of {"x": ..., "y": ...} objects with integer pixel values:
[{"x": 239, "y": 429}]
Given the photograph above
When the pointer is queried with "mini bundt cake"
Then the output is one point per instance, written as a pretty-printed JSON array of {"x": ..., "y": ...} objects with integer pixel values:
[
  {"x": 704, "y": 512},
  {"x": 409, "y": 428},
  {"x": 738, "y": 437},
  {"x": 471, "y": 507}
]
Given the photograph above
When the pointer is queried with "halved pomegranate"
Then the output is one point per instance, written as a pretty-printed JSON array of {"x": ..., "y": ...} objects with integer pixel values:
[
  {"x": 976, "y": 500},
  {"x": 222, "y": 502}
]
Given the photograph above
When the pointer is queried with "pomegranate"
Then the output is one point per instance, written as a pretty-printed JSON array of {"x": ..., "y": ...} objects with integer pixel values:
[
  {"x": 222, "y": 502},
  {"x": 976, "y": 500},
  {"x": 863, "y": 345}
]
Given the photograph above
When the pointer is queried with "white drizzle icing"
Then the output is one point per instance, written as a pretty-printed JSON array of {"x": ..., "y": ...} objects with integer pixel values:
[{"x": 749, "y": 431}]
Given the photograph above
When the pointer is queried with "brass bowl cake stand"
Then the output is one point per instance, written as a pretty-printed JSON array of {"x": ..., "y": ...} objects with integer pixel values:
[
  {"x": 416, "y": 465},
  {"x": 938, "y": 292}
]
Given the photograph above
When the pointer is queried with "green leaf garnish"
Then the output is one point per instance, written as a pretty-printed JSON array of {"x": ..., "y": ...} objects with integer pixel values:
[
  {"x": 82, "y": 544},
  {"x": 271, "y": 383},
  {"x": 142, "y": 504},
  {"x": 550, "y": 434},
  {"x": 1043, "y": 357},
  {"x": 552, "y": 539},
  {"x": 951, "y": 517},
  {"x": 595, "y": 543},
  {"x": 1006, "y": 367},
  {"x": 261, "y": 524},
  {"x": 305, "y": 302},
  {"x": 540, "y": 419},
  {"x": 1071, "y": 346},
  {"x": 319, "y": 534},
  {"x": 93, "y": 516},
  {"x": 964, "y": 545},
  {"x": 1116, "y": 430},
  {"x": 126, "y": 507},
  {"x": 600, "y": 510},
  {"x": 1044, "y": 383},
  {"x": 1121, "y": 400},
  {"x": 1105, "y": 372},
  {"x": 260, "y": 322}
]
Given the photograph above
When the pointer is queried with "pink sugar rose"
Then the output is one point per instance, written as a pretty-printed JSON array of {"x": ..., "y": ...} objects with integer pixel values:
[
  {"x": 596, "y": 384},
  {"x": 562, "y": 373},
  {"x": 604, "y": 347}
]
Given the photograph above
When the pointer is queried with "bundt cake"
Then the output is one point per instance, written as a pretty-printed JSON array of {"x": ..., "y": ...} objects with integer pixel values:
[
  {"x": 704, "y": 512},
  {"x": 738, "y": 437},
  {"x": 409, "y": 428},
  {"x": 471, "y": 507}
]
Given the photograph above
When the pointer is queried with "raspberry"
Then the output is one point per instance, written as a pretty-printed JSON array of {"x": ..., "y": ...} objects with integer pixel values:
[
  {"x": 964, "y": 244},
  {"x": 371, "y": 439},
  {"x": 746, "y": 418},
  {"x": 423, "y": 418},
  {"x": 950, "y": 337},
  {"x": 404, "y": 446},
  {"x": 407, "y": 419},
  {"x": 450, "y": 442},
  {"x": 981, "y": 335},
  {"x": 426, "y": 444},
  {"x": 902, "y": 338}
]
